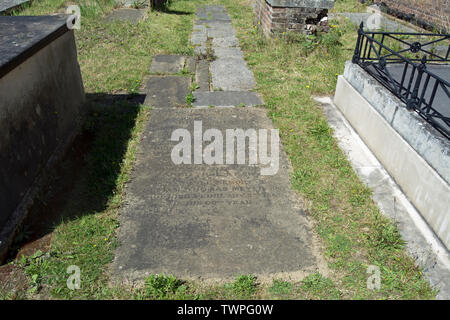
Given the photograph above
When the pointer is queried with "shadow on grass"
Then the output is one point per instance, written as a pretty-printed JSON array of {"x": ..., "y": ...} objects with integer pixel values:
[
  {"x": 85, "y": 179},
  {"x": 164, "y": 6}
]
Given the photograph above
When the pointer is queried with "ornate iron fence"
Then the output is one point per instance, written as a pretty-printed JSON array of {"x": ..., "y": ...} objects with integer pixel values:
[{"x": 380, "y": 53}]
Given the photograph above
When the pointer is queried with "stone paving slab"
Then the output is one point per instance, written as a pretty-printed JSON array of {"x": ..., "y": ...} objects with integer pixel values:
[
  {"x": 231, "y": 74},
  {"x": 202, "y": 76},
  {"x": 209, "y": 221},
  {"x": 199, "y": 38},
  {"x": 226, "y": 99},
  {"x": 225, "y": 42},
  {"x": 212, "y": 13},
  {"x": 167, "y": 64},
  {"x": 167, "y": 91},
  {"x": 200, "y": 50},
  {"x": 191, "y": 64},
  {"x": 221, "y": 30},
  {"x": 126, "y": 15},
  {"x": 221, "y": 53}
]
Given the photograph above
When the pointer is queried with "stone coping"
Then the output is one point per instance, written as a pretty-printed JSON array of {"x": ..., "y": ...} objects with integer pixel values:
[
  {"x": 7, "y": 6},
  {"x": 325, "y": 4},
  {"x": 22, "y": 36}
]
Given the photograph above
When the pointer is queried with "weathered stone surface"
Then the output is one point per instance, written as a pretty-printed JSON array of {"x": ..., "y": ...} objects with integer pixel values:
[
  {"x": 202, "y": 76},
  {"x": 209, "y": 221},
  {"x": 220, "y": 30},
  {"x": 7, "y": 6},
  {"x": 167, "y": 64},
  {"x": 167, "y": 92},
  {"x": 191, "y": 64},
  {"x": 126, "y": 15},
  {"x": 199, "y": 38},
  {"x": 226, "y": 99},
  {"x": 231, "y": 74},
  {"x": 225, "y": 42},
  {"x": 41, "y": 107},
  {"x": 221, "y": 53},
  {"x": 21, "y": 34},
  {"x": 213, "y": 13},
  {"x": 200, "y": 50}
]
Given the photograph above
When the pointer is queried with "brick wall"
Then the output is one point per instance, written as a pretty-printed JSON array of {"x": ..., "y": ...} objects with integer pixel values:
[
  {"x": 273, "y": 20},
  {"x": 428, "y": 14}
]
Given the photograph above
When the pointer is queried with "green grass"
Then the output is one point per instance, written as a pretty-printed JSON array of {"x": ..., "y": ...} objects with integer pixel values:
[{"x": 114, "y": 60}]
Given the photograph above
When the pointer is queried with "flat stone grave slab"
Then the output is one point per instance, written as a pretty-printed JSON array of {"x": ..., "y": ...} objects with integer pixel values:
[
  {"x": 167, "y": 64},
  {"x": 191, "y": 64},
  {"x": 209, "y": 221},
  {"x": 231, "y": 74},
  {"x": 7, "y": 6},
  {"x": 126, "y": 15},
  {"x": 167, "y": 91},
  {"x": 226, "y": 99}
]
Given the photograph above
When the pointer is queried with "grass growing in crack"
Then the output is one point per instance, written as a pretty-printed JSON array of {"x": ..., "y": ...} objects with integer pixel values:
[{"x": 189, "y": 99}]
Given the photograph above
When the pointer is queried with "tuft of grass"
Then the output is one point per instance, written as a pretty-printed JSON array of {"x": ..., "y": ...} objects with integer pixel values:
[
  {"x": 244, "y": 287},
  {"x": 163, "y": 287},
  {"x": 317, "y": 286},
  {"x": 281, "y": 289},
  {"x": 189, "y": 99}
]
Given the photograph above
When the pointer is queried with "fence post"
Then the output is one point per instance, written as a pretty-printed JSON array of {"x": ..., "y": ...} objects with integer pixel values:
[
  {"x": 356, "y": 57},
  {"x": 413, "y": 103}
]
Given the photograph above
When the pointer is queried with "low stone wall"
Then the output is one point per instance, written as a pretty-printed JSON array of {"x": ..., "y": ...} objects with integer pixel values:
[
  {"x": 305, "y": 16},
  {"x": 413, "y": 153},
  {"x": 41, "y": 99}
]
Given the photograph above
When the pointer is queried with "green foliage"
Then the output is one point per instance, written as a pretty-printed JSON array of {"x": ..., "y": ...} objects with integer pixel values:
[
  {"x": 281, "y": 288},
  {"x": 244, "y": 287},
  {"x": 163, "y": 287}
]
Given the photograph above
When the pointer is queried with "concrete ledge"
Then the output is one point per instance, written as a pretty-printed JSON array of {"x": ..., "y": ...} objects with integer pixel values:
[
  {"x": 426, "y": 189},
  {"x": 425, "y": 140},
  {"x": 323, "y": 4},
  {"x": 41, "y": 105}
]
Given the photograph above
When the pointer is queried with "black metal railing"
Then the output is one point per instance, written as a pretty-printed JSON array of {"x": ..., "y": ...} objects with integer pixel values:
[{"x": 403, "y": 66}]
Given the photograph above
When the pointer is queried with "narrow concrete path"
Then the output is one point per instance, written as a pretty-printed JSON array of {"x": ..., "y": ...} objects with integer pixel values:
[
  {"x": 214, "y": 33},
  {"x": 210, "y": 221}
]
